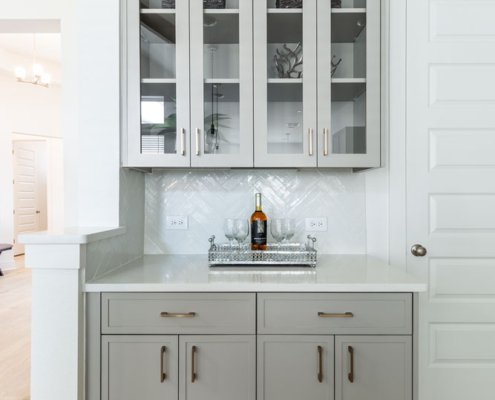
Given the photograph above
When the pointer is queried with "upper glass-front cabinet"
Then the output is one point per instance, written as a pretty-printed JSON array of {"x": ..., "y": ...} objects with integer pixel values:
[
  {"x": 285, "y": 83},
  {"x": 222, "y": 83},
  {"x": 349, "y": 84},
  {"x": 243, "y": 83}
]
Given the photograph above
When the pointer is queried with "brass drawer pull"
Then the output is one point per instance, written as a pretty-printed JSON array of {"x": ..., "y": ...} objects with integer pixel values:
[
  {"x": 193, "y": 374},
  {"x": 351, "y": 374},
  {"x": 197, "y": 141},
  {"x": 167, "y": 315},
  {"x": 325, "y": 135},
  {"x": 320, "y": 373},
  {"x": 182, "y": 142},
  {"x": 162, "y": 373},
  {"x": 345, "y": 315},
  {"x": 310, "y": 134}
]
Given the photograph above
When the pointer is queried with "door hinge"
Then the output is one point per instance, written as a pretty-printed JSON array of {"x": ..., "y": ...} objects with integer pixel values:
[
  {"x": 14, "y": 241},
  {"x": 13, "y": 181},
  {"x": 13, "y": 211}
]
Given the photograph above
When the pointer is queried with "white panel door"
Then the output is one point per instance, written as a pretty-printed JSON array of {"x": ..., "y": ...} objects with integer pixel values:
[
  {"x": 451, "y": 193},
  {"x": 30, "y": 207}
]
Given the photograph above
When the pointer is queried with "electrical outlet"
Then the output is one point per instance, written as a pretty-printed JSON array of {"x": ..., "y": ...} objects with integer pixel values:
[
  {"x": 316, "y": 224},
  {"x": 179, "y": 222}
]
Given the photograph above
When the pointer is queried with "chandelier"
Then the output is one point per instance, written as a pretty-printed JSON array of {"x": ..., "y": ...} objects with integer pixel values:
[{"x": 39, "y": 78}]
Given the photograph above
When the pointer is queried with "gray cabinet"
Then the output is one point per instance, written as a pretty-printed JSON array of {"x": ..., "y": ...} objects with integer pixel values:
[
  {"x": 373, "y": 368},
  {"x": 217, "y": 367},
  {"x": 139, "y": 367},
  {"x": 295, "y": 367},
  {"x": 207, "y": 346},
  {"x": 252, "y": 84}
]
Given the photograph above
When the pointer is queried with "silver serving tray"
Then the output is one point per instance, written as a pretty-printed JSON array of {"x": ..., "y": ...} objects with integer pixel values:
[{"x": 275, "y": 255}]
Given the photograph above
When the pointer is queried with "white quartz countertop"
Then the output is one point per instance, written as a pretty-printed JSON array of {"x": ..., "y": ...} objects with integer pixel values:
[
  {"x": 74, "y": 235},
  {"x": 334, "y": 273}
]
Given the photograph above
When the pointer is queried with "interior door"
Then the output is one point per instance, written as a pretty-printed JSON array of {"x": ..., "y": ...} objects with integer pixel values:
[
  {"x": 30, "y": 190},
  {"x": 222, "y": 84},
  {"x": 285, "y": 85},
  {"x": 349, "y": 84},
  {"x": 218, "y": 367},
  {"x": 451, "y": 193},
  {"x": 295, "y": 367},
  {"x": 139, "y": 367},
  {"x": 158, "y": 96},
  {"x": 373, "y": 368}
]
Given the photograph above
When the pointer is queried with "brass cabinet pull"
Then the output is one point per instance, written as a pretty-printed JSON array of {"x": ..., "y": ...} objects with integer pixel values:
[
  {"x": 325, "y": 137},
  {"x": 310, "y": 131},
  {"x": 320, "y": 373},
  {"x": 193, "y": 375},
  {"x": 167, "y": 315},
  {"x": 345, "y": 315},
  {"x": 182, "y": 141},
  {"x": 197, "y": 141},
  {"x": 351, "y": 374},
  {"x": 162, "y": 373}
]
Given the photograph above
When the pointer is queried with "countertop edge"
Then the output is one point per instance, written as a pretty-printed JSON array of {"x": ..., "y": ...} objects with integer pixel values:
[{"x": 254, "y": 288}]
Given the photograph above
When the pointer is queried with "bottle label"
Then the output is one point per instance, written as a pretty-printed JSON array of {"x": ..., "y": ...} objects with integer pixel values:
[{"x": 258, "y": 233}]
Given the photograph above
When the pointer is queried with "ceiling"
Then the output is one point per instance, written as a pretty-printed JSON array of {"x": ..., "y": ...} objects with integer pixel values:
[{"x": 48, "y": 46}]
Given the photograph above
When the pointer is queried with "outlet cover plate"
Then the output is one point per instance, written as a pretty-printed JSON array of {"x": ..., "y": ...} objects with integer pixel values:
[
  {"x": 178, "y": 222},
  {"x": 316, "y": 224}
]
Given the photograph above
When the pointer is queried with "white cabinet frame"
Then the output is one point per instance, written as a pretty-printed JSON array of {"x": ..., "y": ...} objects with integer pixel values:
[
  {"x": 133, "y": 156},
  {"x": 245, "y": 156},
  {"x": 261, "y": 156},
  {"x": 372, "y": 158}
]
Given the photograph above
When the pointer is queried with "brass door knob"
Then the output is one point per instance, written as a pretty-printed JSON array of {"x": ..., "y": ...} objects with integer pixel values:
[
  {"x": 38, "y": 212},
  {"x": 418, "y": 251}
]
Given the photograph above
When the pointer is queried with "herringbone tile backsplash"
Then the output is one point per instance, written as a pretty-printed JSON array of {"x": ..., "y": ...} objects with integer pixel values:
[{"x": 210, "y": 196}]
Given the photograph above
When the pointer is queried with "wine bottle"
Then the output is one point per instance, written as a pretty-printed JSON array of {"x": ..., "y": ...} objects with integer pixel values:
[{"x": 258, "y": 226}]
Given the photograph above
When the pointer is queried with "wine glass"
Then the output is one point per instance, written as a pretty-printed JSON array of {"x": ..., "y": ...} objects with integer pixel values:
[
  {"x": 229, "y": 229},
  {"x": 289, "y": 229},
  {"x": 241, "y": 230},
  {"x": 277, "y": 230}
]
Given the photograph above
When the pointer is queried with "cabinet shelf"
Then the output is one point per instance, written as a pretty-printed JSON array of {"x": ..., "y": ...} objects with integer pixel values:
[
  {"x": 348, "y": 10},
  {"x": 347, "y": 89},
  {"x": 223, "y": 81},
  {"x": 279, "y": 80},
  {"x": 222, "y": 11},
  {"x": 157, "y": 11},
  {"x": 158, "y": 80},
  {"x": 284, "y": 10}
]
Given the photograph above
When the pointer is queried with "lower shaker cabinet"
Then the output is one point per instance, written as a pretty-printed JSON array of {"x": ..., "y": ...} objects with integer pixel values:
[
  {"x": 217, "y": 367},
  {"x": 295, "y": 367},
  {"x": 140, "y": 367},
  {"x": 345, "y": 362},
  {"x": 373, "y": 368}
]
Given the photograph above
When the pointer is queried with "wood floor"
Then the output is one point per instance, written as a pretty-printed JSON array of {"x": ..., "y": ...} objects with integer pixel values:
[{"x": 15, "y": 332}]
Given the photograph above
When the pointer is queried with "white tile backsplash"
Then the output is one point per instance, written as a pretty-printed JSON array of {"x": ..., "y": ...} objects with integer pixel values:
[{"x": 207, "y": 197}]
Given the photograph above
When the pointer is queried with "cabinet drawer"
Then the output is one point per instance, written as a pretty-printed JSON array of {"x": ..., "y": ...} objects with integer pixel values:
[
  {"x": 178, "y": 313},
  {"x": 325, "y": 313}
]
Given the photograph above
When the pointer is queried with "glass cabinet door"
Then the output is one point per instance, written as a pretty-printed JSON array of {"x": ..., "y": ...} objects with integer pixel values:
[
  {"x": 349, "y": 83},
  {"x": 285, "y": 83},
  {"x": 221, "y": 83},
  {"x": 158, "y": 74}
]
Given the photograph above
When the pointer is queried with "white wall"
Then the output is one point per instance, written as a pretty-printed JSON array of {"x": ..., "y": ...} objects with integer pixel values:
[{"x": 34, "y": 112}]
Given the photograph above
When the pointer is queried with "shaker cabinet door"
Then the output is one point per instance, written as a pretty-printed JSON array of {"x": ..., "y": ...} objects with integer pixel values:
[
  {"x": 219, "y": 367},
  {"x": 285, "y": 87},
  {"x": 221, "y": 84},
  {"x": 158, "y": 96},
  {"x": 349, "y": 84},
  {"x": 373, "y": 367},
  {"x": 295, "y": 367},
  {"x": 139, "y": 367}
]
